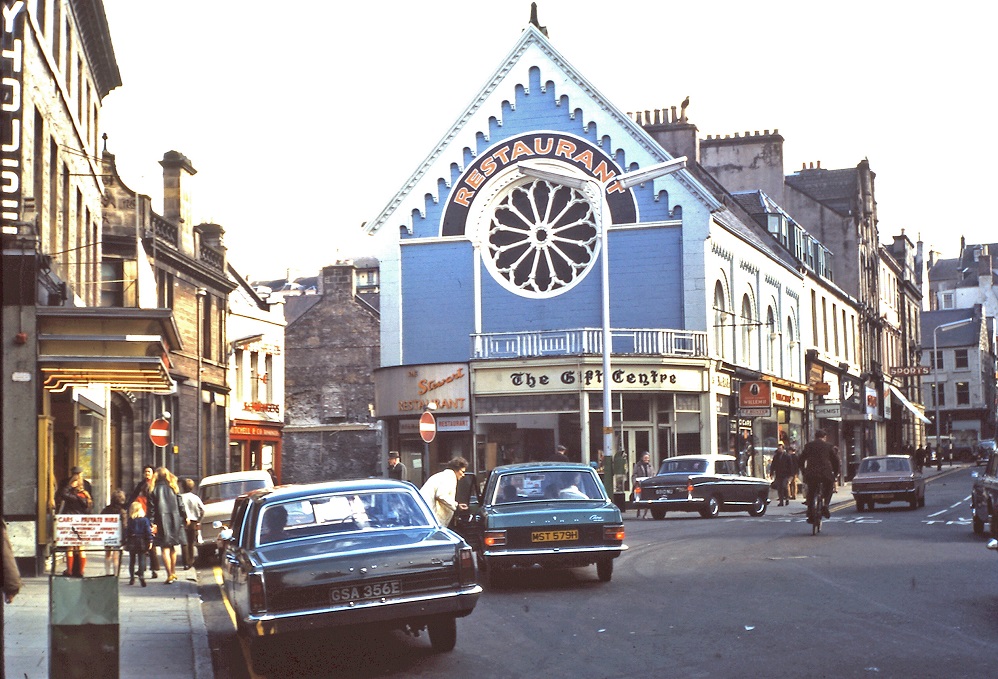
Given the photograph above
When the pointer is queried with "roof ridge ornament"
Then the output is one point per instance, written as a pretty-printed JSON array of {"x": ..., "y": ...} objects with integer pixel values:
[{"x": 535, "y": 22}]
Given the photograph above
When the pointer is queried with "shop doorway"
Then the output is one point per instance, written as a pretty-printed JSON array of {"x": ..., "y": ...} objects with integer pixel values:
[{"x": 634, "y": 441}]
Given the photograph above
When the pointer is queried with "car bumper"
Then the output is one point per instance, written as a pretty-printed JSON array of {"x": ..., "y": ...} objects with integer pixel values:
[
  {"x": 393, "y": 613},
  {"x": 883, "y": 495},
  {"x": 685, "y": 504},
  {"x": 561, "y": 556}
]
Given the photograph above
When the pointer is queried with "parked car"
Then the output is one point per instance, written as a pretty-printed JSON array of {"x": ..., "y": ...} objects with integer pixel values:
[
  {"x": 551, "y": 514},
  {"x": 708, "y": 484},
  {"x": 218, "y": 493},
  {"x": 887, "y": 478},
  {"x": 347, "y": 553},
  {"x": 984, "y": 497},
  {"x": 984, "y": 450}
]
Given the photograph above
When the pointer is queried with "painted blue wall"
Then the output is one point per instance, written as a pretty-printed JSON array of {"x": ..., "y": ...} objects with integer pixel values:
[
  {"x": 438, "y": 302},
  {"x": 437, "y": 278}
]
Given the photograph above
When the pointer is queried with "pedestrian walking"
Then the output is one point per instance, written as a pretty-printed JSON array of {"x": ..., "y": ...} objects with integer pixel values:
[
  {"x": 396, "y": 470},
  {"x": 74, "y": 499},
  {"x": 142, "y": 494},
  {"x": 138, "y": 542},
  {"x": 919, "y": 458},
  {"x": 781, "y": 469},
  {"x": 118, "y": 505},
  {"x": 193, "y": 512},
  {"x": 641, "y": 471},
  {"x": 793, "y": 483},
  {"x": 168, "y": 516}
]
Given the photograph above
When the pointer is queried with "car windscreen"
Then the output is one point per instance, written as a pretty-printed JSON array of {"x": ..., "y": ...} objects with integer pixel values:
[
  {"x": 683, "y": 467},
  {"x": 336, "y": 513},
  {"x": 219, "y": 492},
  {"x": 568, "y": 484}
]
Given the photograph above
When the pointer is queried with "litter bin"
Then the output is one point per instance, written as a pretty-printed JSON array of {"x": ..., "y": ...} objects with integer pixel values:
[{"x": 83, "y": 626}]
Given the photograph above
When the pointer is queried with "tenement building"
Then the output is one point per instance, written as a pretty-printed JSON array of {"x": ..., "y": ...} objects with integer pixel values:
[{"x": 69, "y": 364}]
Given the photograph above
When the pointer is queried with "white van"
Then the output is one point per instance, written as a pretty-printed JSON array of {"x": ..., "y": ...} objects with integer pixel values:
[{"x": 218, "y": 493}]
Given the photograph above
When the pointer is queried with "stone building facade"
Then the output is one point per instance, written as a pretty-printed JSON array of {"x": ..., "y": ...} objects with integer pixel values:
[{"x": 332, "y": 348}]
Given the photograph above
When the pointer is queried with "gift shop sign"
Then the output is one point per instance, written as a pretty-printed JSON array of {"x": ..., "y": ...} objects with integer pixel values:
[
  {"x": 560, "y": 378},
  {"x": 87, "y": 530}
]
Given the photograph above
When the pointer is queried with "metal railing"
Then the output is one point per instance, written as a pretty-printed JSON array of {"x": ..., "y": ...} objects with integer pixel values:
[{"x": 589, "y": 341}]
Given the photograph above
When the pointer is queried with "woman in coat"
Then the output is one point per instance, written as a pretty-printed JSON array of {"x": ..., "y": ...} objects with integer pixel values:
[{"x": 169, "y": 518}]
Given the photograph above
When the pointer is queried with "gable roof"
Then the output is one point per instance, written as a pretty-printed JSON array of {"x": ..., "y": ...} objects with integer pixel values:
[{"x": 531, "y": 50}]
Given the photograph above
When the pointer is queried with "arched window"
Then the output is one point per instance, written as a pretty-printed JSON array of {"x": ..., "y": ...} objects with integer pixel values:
[
  {"x": 771, "y": 338},
  {"x": 792, "y": 366},
  {"x": 720, "y": 311},
  {"x": 747, "y": 328}
]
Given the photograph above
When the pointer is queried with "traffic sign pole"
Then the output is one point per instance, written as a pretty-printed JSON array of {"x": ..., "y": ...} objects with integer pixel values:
[
  {"x": 428, "y": 432},
  {"x": 159, "y": 433}
]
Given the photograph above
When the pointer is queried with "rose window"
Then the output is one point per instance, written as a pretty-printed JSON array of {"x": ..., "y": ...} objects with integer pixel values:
[{"x": 543, "y": 237}]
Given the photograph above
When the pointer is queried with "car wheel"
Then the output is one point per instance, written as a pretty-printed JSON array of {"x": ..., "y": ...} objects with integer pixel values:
[
  {"x": 758, "y": 507},
  {"x": 604, "y": 570},
  {"x": 443, "y": 634},
  {"x": 913, "y": 502},
  {"x": 712, "y": 509},
  {"x": 994, "y": 526},
  {"x": 657, "y": 513},
  {"x": 978, "y": 525},
  {"x": 921, "y": 500}
]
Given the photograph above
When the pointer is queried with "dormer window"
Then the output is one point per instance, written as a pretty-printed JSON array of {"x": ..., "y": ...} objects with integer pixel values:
[{"x": 777, "y": 226}]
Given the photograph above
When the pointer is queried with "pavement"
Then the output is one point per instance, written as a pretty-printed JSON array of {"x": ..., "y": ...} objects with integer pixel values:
[{"x": 162, "y": 633}]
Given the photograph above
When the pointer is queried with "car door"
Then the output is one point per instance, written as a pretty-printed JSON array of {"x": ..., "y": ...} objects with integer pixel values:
[
  {"x": 468, "y": 522},
  {"x": 737, "y": 487}
]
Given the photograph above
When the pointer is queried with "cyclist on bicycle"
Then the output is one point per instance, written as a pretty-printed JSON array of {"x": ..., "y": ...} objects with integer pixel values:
[{"x": 820, "y": 466}]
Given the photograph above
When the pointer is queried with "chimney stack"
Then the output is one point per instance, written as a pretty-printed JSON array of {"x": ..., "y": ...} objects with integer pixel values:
[{"x": 177, "y": 169}]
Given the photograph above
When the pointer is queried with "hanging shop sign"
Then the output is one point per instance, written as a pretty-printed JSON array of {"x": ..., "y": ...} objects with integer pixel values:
[{"x": 408, "y": 390}]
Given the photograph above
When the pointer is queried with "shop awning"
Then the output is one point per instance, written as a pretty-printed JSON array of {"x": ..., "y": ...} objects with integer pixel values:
[
  {"x": 123, "y": 348},
  {"x": 909, "y": 405}
]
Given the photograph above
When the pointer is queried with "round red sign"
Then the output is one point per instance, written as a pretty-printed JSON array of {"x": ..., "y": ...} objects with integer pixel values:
[
  {"x": 159, "y": 433},
  {"x": 427, "y": 427}
]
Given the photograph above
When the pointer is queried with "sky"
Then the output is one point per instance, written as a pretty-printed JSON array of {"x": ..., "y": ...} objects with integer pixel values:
[{"x": 303, "y": 123}]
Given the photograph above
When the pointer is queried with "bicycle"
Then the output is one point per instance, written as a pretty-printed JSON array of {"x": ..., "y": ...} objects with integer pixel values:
[{"x": 818, "y": 512}]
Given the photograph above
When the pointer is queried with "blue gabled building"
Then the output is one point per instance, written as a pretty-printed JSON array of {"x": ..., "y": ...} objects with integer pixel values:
[{"x": 492, "y": 290}]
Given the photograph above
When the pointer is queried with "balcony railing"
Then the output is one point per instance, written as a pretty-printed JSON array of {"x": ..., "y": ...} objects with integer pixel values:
[{"x": 589, "y": 341}]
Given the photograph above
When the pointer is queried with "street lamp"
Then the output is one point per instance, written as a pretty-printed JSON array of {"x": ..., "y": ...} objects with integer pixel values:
[
  {"x": 935, "y": 368},
  {"x": 199, "y": 294},
  {"x": 624, "y": 181}
]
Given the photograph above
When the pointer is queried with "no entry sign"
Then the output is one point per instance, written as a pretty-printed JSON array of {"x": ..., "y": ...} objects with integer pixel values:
[
  {"x": 159, "y": 433},
  {"x": 427, "y": 427}
]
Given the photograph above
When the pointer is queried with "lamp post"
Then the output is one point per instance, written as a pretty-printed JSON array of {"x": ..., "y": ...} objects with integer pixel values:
[
  {"x": 199, "y": 294},
  {"x": 556, "y": 175},
  {"x": 935, "y": 368}
]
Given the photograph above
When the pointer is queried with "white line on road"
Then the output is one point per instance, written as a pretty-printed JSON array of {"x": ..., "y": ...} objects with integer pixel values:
[{"x": 942, "y": 511}]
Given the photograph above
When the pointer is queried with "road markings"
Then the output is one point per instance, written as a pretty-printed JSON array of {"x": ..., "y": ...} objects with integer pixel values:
[{"x": 225, "y": 599}]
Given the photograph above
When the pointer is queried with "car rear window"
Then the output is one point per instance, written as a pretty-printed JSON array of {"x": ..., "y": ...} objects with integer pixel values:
[
  {"x": 336, "y": 513},
  {"x": 683, "y": 467},
  {"x": 219, "y": 492},
  {"x": 568, "y": 484}
]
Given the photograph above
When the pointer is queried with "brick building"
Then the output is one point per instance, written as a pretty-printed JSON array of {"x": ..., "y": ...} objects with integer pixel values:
[{"x": 332, "y": 348}]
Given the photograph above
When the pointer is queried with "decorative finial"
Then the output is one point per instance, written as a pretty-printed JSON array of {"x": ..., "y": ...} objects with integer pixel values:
[
  {"x": 534, "y": 21},
  {"x": 104, "y": 137}
]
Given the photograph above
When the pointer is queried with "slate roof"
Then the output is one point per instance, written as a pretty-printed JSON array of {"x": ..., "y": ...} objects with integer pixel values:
[
  {"x": 835, "y": 189},
  {"x": 965, "y": 336}
]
